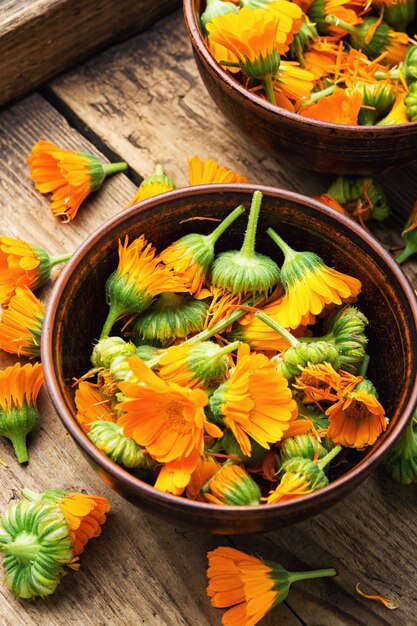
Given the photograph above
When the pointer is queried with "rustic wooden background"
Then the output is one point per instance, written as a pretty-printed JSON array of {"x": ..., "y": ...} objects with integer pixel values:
[{"x": 143, "y": 101}]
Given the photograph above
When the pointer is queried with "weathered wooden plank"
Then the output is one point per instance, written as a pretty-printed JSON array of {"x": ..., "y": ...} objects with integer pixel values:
[
  {"x": 137, "y": 572},
  {"x": 41, "y": 38}
]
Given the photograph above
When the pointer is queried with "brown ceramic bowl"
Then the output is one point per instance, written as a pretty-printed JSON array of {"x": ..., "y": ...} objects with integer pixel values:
[
  {"x": 311, "y": 144},
  {"x": 77, "y": 310}
]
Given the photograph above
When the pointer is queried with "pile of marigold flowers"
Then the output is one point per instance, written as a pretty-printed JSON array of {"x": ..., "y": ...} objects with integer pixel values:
[
  {"x": 219, "y": 391},
  {"x": 331, "y": 60}
]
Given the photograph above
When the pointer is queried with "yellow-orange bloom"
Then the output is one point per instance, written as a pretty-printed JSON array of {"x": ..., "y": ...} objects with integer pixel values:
[
  {"x": 169, "y": 421},
  {"x": 69, "y": 176},
  {"x": 242, "y": 582},
  {"x": 209, "y": 172},
  {"x": 21, "y": 264},
  {"x": 322, "y": 383},
  {"x": 292, "y": 485},
  {"x": 206, "y": 468},
  {"x": 233, "y": 486},
  {"x": 293, "y": 81},
  {"x": 398, "y": 113},
  {"x": 338, "y": 108},
  {"x": 255, "y": 402},
  {"x": 153, "y": 186},
  {"x": 356, "y": 420},
  {"x": 289, "y": 16},
  {"x": 92, "y": 405},
  {"x": 21, "y": 324}
]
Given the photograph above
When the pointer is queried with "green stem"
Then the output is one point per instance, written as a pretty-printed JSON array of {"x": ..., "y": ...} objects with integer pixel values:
[
  {"x": 55, "y": 260},
  {"x": 19, "y": 445},
  {"x": 224, "y": 323},
  {"x": 113, "y": 168},
  {"x": 364, "y": 367},
  {"x": 293, "y": 341},
  {"x": 318, "y": 573},
  {"x": 329, "y": 457},
  {"x": 229, "y": 348},
  {"x": 112, "y": 316},
  {"x": 269, "y": 90},
  {"x": 248, "y": 246},
  {"x": 391, "y": 75},
  {"x": 219, "y": 230},
  {"x": 319, "y": 94},
  {"x": 159, "y": 170},
  {"x": 331, "y": 19},
  {"x": 285, "y": 248},
  {"x": 407, "y": 252},
  {"x": 229, "y": 63}
]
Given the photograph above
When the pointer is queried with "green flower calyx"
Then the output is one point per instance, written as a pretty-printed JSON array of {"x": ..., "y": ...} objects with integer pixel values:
[
  {"x": 109, "y": 438},
  {"x": 16, "y": 422},
  {"x": 108, "y": 348},
  {"x": 401, "y": 462},
  {"x": 216, "y": 8}
]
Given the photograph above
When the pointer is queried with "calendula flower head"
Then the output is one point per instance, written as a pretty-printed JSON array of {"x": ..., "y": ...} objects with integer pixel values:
[
  {"x": 250, "y": 36},
  {"x": 346, "y": 331},
  {"x": 232, "y": 486},
  {"x": 92, "y": 405},
  {"x": 309, "y": 284},
  {"x": 410, "y": 102},
  {"x": 322, "y": 383},
  {"x": 401, "y": 462},
  {"x": 362, "y": 197},
  {"x": 209, "y": 171},
  {"x": 306, "y": 446},
  {"x": 168, "y": 421},
  {"x": 196, "y": 364},
  {"x": 109, "y": 438},
  {"x": 85, "y": 514},
  {"x": 398, "y": 113},
  {"x": 303, "y": 40},
  {"x": 171, "y": 316},
  {"x": 139, "y": 277},
  {"x": 69, "y": 176},
  {"x": 35, "y": 539},
  {"x": 339, "y": 108},
  {"x": 205, "y": 469},
  {"x": 153, "y": 186},
  {"x": 377, "y": 101},
  {"x": 108, "y": 348},
  {"x": 398, "y": 13},
  {"x": 255, "y": 402},
  {"x": 21, "y": 324},
  {"x": 358, "y": 418},
  {"x": 191, "y": 257},
  {"x": 341, "y": 9},
  {"x": 373, "y": 36},
  {"x": 293, "y": 81},
  {"x": 216, "y": 8},
  {"x": 409, "y": 236},
  {"x": 19, "y": 388},
  {"x": 246, "y": 272},
  {"x": 248, "y": 586},
  {"x": 22, "y": 264}
]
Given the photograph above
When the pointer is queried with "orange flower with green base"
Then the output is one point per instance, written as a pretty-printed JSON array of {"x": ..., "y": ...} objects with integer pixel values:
[
  {"x": 248, "y": 586},
  {"x": 153, "y": 186},
  {"x": 333, "y": 105},
  {"x": 69, "y": 176},
  {"x": 21, "y": 324},
  {"x": 209, "y": 172},
  {"x": 92, "y": 405},
  {"x": 232, "y": 486},
  {"x": 19, "y": 388},
  {"x": 23, "y": 264}
]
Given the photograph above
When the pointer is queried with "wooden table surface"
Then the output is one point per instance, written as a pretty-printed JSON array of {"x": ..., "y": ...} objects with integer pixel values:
[{"x": 143, "y": 101}]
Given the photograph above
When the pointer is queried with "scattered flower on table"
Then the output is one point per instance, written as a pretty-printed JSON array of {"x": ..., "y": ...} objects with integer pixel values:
[{"x": 21, "y": 324}]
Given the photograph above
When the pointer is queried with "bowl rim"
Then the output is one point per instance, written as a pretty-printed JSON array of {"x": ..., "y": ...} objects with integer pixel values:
[
  {"x": 134, "y": 485},
  {"x": 198, "y": 43}
]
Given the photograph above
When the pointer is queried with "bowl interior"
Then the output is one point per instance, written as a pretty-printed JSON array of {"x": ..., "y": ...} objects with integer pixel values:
[{"x": 78, "y": 308}]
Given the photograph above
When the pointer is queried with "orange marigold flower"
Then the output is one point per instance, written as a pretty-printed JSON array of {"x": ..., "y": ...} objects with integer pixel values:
[
  {"x": 293, "y": 81},
  {"x": 92, "y": 405},
  {"x": 209, "y": 172},
  {"x": 322, "y": 383},
  {"x": 169, "y": 421},
  {"x": 250, "y": 586},
  {"x": 338, "y": 108},
  {"x": 69, "y": 176},
  {"x": 21, "y": 264},
  {"x": 357, "y": 419},
  {"x": 139, "y": 277},
  {"x": 309, "y": 285},
  {"x": 292, "y": 485},
  {"x": 21, "y": 324},
  {"x": 255, "y": 402},
  {"x": 289, "y": 16},
  {"x": 84, "y": 514},
  {"x": 153, "y": 186},
  {"x": 233, "y": 486},
  {"x": 206, "y": 468}
]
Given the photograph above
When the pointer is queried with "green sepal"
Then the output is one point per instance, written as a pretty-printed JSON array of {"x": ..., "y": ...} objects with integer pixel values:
[
  {"x": 109, "y": 438},
  {"x": 231, "y": 446},
  {"x": 349, "y": 189},
  {"x": 262, "y": 66},
  {"x": 410, "y": 101},
  {"x": 50, "y": 495},
  {"x": 15, "y": 424},
  {"x": 401, "y": 462},
  {"x": 367, "y": 386},
  {"x": 216, "y": 402},
  {"x": 99, "y": 171},
  {"x": 44, "y": 268},
  {"x": 216, "y": 8},
  {"x": 108, "y": 348},
  {"x": 305, "y": 446},
  {"x": 317, "y": 14},
  {"x": 243, "y": 492},
  {"x": 311, "y": 472},
  {"x": 35, "y": 538},
  {"x": 380, "y": 96},
  {"x": 409, "y": 65},
  {"x": 302, "y": 354},
  {"x": 171, "y": 316},
  {"x": 400, "y": 14},
  {"x": 302, "y": 41},
  {"x": 158, "y": 177},
  {"x": 209, "y": 362}
]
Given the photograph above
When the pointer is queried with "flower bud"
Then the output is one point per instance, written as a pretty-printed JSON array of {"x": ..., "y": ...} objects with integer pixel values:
[
  {"x": 312, "y": 473},
  {"x": 233, "y": 486},
  {"x": 109, "y": 438},
  {"x": 379, "y": 96},
  {"x": 110, "y": 347},
  {"x": 306, "y": 446},
  {"x": 300, "y": 355},
  {"x": 411, "y": 102}
]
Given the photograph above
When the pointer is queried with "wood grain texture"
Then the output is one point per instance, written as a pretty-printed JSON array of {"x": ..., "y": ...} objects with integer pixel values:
[
  {"x": 145, "y": 102},
  {"x": 41, "y": 38}
]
